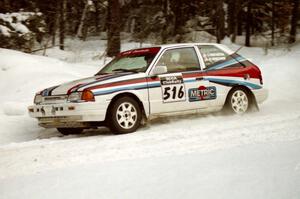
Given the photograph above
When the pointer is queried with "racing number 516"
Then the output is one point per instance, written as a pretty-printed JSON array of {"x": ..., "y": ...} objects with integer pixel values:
[{"x": 173, "y": 93}]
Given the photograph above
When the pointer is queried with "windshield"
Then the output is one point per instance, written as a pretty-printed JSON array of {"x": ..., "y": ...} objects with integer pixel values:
[{"x": 131, "y": 61}]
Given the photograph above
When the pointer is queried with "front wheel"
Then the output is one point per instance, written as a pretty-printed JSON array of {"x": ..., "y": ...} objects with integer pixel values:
[
  {"x": 124, "y": 116},
  {"x": 238, "y": 101}
]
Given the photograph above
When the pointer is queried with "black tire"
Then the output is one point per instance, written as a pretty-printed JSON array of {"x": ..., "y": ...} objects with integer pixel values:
[
  {"x": 124, "y": 116},
  {"x": 69, "y": 131},
  {"x": 239, "y": 101}
]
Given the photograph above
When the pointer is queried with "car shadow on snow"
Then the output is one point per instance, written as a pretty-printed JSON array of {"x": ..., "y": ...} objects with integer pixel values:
[
  {"x": 53, "y": 133},
  {"x": 103, "y": 131}
]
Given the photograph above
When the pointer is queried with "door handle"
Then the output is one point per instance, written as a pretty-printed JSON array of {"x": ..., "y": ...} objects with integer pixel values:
[{"x": 199, "y": 78}]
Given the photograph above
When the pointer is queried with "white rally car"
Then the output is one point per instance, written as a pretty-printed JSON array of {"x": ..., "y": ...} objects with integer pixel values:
[{"x": 144, "y": 83}]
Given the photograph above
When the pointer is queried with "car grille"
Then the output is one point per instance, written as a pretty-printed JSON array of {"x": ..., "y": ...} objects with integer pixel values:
[{"x": 55, "y": 99}]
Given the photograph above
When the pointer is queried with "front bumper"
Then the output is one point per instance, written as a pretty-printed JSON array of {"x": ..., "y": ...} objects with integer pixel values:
[{"x": 68, "y": 114}]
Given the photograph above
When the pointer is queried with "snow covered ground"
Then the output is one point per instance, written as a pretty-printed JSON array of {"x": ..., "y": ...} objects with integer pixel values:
[{"x": 252, "y": 156}]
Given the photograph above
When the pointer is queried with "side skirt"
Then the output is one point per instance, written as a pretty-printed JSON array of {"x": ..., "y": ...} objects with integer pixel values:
[{"x": 186, "y": 112}]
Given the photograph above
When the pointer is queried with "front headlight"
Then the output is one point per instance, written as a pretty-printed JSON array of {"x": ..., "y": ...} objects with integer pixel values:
[
  {"x": 38, "y": 99},
  {"x": 86, "y": 96},
  {"x": 75, "y": 97}
]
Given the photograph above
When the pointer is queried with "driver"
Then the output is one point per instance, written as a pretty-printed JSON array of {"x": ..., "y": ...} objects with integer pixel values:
[{"x": 148, "y": 59}]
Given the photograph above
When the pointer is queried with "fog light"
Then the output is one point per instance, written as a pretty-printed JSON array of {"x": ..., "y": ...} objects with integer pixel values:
[{"x": 71, "y": 108}]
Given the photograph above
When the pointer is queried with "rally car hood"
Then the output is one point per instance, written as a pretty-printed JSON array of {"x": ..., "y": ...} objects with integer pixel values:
[{"x": 80, "y": 84}]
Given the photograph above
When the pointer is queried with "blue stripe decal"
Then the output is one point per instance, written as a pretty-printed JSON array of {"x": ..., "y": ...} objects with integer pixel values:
[
  {"x": 189, "y": 80},
  {"x": 157, "y": 84},
  {"x": 44, "y": 92},
  {"x": 48, "y": 91},
  {"x": 234, "y": 82},
  {"x": 231, "y": 82},
  {"x": 134, "y": 87},
  {"x": 227, "y": 63}
]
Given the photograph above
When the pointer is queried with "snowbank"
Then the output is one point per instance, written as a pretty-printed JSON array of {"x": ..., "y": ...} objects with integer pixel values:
[{"x": 22, "y": 75}]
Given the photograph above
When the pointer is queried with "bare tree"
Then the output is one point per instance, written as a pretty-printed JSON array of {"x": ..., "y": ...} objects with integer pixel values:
[
  {"x": 54, "y": 23},
  {"x": 273, "y": 23},
  {"x": 113, "y": 28},
  {"x": 166, "y": 11},
  {"x": 82, "y": 20},
  {"x": 62, "y": 23},
  {"x": 248, "y": 23},
  {"x": 231, "y": 22},
  {"x": 178, "y": 15},
  {"x": 220, "y": 20},
  {"x": 294, "y": 21}
]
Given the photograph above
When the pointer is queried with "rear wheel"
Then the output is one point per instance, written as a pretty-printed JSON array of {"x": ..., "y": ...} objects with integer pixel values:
[
  {"x": 238, "y": 101},
  {"x": 124, "y": 116},
  {"x": 68, "y": 131}
]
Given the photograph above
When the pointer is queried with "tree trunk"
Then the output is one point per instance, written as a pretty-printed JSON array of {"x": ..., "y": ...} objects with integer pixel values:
[
  {"x": 236, "y": 15},
  {"x": 248, "y": 23},
  {"x": 97, "y": 13},
  {"x": 179, "y": 21},
  {"x": 62, "y": 23},
  {"x": 113, "y": 28},
  {"x": 164, "y": 33},
  {"x": 273, "y": 23},
  {"x": 220, "y": 21},
  {"x": 294, "y": 22},
  {"x": 239, "y": 24},
  {"x": 231, "y": 17},
  {"x": 82, "y": 20},
  {"x": 55, "y": 23}
]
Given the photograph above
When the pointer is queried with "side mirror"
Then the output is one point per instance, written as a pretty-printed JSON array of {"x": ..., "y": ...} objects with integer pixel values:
[{"x": 159, "y": 70}]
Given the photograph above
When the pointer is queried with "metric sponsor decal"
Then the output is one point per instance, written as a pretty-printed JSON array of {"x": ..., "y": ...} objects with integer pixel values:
[
  {"x": 202, "y": 93},
  {"x": 173, "y": 89}
]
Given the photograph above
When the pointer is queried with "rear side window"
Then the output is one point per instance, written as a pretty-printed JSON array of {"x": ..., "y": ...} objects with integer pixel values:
[
  {"x": 212, "y": 55},
  {"x": 180, "y": 60}
]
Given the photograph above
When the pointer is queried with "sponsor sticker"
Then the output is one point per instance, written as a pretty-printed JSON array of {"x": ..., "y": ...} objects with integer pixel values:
[
  {"x": 173, "y": 89},
  {"x": 168, "y": 80},
  {"x": 202, "y": 93}
]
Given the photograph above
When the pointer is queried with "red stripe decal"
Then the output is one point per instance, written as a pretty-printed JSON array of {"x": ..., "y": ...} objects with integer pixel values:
[
  {"x": 229, "y": 72},
  {"x": 72, "y": 88}
]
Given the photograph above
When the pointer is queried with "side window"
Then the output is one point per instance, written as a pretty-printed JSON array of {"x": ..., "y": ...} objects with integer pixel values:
[
  {"x": 179, "y": 60},
  {"x": 212, "y": 55}
]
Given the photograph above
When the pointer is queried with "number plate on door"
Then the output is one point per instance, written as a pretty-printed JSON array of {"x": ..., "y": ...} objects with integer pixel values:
[{"x": 173, "y": 89}]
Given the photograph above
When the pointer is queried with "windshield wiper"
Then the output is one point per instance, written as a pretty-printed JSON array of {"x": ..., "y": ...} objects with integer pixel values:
[
  {"x": 126, "y": 70},
  {"x": 101, "y": 73}
]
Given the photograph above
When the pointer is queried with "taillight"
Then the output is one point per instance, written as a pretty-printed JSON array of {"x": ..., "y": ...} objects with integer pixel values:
[
  {"x": 88, "y": 95},
  {"x": 261, "y": 79}
]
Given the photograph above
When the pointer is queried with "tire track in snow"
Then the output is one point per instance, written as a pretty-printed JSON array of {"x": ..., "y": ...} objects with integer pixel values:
[{"x": 204, "y": 134}]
